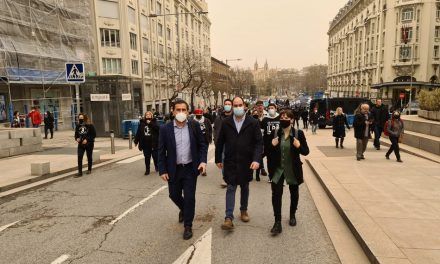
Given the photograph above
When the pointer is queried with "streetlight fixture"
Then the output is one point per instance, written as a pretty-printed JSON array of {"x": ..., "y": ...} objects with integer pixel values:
[{"x": 178, "y": 32}]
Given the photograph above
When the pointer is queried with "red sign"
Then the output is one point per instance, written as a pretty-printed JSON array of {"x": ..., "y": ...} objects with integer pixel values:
[{"x": 402, "y": 96}]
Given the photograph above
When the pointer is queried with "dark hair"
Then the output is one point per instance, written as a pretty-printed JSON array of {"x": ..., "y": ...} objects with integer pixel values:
[
  {"x": 227, "y": 100},
  {"x": 86, "y": 118},
  {"x": 15, "y": 113},
  {"x": 272, "y": 104},
  {"x": 181, "y": 102},
  {"x": 287, "y": 113},
  {"x": 259, "y": 102}
]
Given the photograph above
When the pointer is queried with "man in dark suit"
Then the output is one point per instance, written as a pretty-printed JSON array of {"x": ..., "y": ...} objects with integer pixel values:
[
  {"x": 182, "y": 157},
  {"x": 240, "y": 138}
]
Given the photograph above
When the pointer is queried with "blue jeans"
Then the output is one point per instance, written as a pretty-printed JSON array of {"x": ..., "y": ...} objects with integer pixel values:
[
  {"x": 230, "y": 199},
  {"x": 377, "y": 133}
]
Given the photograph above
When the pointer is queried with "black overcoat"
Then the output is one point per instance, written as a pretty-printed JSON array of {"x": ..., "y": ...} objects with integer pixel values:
[
  {"x": 339, "y": 124},
  {"x": 240, "y": 149}
]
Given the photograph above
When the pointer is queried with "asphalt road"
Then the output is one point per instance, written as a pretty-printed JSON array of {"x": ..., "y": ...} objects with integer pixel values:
[{"x": 86, "y": 220}]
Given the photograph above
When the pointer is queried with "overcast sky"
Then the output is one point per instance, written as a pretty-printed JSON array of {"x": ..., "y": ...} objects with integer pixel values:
[{"x": 289, "y": 33}]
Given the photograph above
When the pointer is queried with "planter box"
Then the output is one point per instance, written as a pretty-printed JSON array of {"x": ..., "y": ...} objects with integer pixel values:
[{"x": 431, "y": 115}]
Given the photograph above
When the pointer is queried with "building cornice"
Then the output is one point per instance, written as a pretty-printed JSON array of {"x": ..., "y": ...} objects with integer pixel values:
[{"x": 343, "y": 12}]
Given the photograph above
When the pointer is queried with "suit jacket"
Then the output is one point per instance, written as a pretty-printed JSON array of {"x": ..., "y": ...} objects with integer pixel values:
[
  {"x": 240, "y": 149},
  {"x": 168, "y": 153}
]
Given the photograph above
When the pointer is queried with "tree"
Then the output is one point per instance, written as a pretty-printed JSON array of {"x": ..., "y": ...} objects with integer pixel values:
[{"x": 315, "y": 78}]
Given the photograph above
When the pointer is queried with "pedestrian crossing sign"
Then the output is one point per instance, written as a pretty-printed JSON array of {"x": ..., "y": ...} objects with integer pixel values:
[{"x": 75, "y": 72}]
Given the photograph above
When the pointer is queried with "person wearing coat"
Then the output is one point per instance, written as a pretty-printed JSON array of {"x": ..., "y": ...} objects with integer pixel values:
[
  {"x": 147, "y": 137},
  {"x": 361, "y": 124},
  {"x": 314, "y": 117},
  {"x": 241, "y": 140},
  {"x": 85, "y": 134},
  {"x": 395, "y": 130},
  {"x": 339, "y": 123},
  {"x": 182, "y": 157},
  {"x": 285, "y": 165},
  {"x": 35, "y": 117},
  {"x": 379, "y": 114},
  {"x": 48, "y": 124}
]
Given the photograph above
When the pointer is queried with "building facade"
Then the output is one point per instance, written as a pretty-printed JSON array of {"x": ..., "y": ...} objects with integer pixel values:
[
  {"x": 37, "y": 39},
  {"x": 385, "y": 49},
  {"x": 139, "y": 44}
]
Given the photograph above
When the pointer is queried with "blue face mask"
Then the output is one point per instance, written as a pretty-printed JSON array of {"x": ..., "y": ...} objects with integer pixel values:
[
  {"x": 239, "y": 111},
  {"x": 227, "y": 108}
]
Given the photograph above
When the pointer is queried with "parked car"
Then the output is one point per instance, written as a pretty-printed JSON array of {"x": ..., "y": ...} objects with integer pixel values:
[{"x": 415, "y": 107}]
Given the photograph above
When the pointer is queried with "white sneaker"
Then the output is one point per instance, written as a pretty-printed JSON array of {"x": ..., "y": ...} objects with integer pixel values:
[
  {"x": 224, "y": 185},
  {"x": 269, "y": 181}
]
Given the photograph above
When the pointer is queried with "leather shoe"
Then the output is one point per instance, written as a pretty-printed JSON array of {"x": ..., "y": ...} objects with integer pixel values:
[
  {"x": 187, "y": 234},
  {"x": 277, "y": 228},
  {"x": 244, "y": 216},
  {"x": 227, "y": 225},
  {"x": 263, "y": 172},
  {"x": 78, "y": 175},
  {"x": 181, "y": 217}
]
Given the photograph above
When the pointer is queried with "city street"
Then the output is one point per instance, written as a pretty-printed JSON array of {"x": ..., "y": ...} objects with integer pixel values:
[{"x": 94, "y": 219}]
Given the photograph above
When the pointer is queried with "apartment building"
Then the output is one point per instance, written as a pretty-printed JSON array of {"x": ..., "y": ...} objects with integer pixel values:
[
  {"x": 385, "y": 49},
  {"x": 139, "y": 44},
  {"x": 37, "y": 39}
]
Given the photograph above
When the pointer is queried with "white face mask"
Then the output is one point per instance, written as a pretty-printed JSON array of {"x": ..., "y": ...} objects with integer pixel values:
[
  {"x": 272, "y": 112},
  {"x": 181, "y": 117}
]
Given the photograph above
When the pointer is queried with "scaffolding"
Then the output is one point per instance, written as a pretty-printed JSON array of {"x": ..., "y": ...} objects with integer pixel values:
[{"x": 37, "y": 39}]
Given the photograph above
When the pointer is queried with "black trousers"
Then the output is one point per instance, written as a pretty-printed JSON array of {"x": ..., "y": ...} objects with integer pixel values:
[
  {"x": 46, "y": 131},
  {"x": 148, "y": 153},
  {"x": 305, "y": 124},
  {"x": 88, "y": 149},
  {"x": 277, "y": 198},
  {"x": 394, "y": 147},
  {"x": 185, "y": 182}
]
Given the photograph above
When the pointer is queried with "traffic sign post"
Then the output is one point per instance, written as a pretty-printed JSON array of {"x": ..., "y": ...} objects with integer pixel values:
[
  {"x": 402, "y": 96},
  {"x": 75, "y": 74}
]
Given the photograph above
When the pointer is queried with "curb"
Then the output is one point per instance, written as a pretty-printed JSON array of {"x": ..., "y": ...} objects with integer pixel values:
[
  {"x": 31, "y": 184},
  {"x": 410, "y": 152},
  {"x": 373, "y": 259}
]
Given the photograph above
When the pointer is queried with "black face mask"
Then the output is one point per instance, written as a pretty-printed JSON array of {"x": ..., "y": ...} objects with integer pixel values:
[
  {"x": 397, "y": 116},
  {"x": 81, "y": 121},
  {"x": 255, "y": 116},
  {"x": 198, "y": 117},
  {"x": 285, "y": 123}
]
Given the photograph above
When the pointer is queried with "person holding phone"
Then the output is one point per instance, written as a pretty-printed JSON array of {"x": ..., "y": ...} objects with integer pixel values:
[{"x": 182, "y": 158}]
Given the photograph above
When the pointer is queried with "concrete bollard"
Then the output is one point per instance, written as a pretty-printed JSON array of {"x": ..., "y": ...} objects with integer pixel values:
[
  {"x": 112, "y": 141},
  {"x": 130, "y": 139},
  {"x": 40, "y": 168}
]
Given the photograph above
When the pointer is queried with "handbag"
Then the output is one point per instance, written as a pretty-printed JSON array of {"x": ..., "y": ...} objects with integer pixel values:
[{"x": 400, "y": 138}]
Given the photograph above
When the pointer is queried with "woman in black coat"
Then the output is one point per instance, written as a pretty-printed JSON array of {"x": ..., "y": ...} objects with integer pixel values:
[
  {"x": 48, "y": 124},
  {"x": 147, "y": 137},
  {"x": 339, "y": 123},
  {"x": 285, "y": 164}
]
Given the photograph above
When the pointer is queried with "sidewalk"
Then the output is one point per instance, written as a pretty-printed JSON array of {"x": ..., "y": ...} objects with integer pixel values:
[
  {"x": 393, "y": 209},
  {"x": 61, "y": 152}
]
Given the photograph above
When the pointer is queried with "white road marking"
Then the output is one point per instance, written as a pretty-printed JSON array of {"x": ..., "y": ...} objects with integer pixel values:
[
  {"x": 138, "y": 204},
  {"x": 8, "y": 225},
  {"x": 131, "y": 160},
  {"x": 61, "y": 259},
  {"x": 199, "y": 252}
]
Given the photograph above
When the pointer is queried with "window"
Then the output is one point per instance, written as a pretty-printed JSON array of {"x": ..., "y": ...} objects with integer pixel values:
[
  {"x": 161, "y": 55},
  {"x": 146, "y": 45},
  {"x": 169, "y": 53},
  {"x": 154, "y": 48},
  {"x": 407, "y": 34},
  {"x": 437, "y": 32},
  {"x": 158, "y": 8},
  {"x": 144, "y": 22},
  {"x": 168, "y": 34},
  {"x": 135, "y": 67},
  {"x": 152, "y": 5},
  {"x": 110, "y": 38},
  {"x": 133, "y": 42},
  {"x": 147, "y": 69},
  {"x": 405, "y": 53},
  {"x": 438, "y": 11},
  {"x": 111, "y": 66},
  {"x": 436, "y": 52},
  {"x": 407, "y": 14},
  {"x": 160, "y": 29},
  {"x": 107, "y": 9},
  {"x": 131, "y": 15}
]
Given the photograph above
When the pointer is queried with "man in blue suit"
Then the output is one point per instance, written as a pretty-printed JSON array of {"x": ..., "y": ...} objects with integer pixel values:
[{"x": 182, "y": 157}]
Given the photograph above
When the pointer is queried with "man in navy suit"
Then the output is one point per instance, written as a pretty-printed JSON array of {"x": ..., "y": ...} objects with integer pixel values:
[{"x": 182, "y": 157}]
